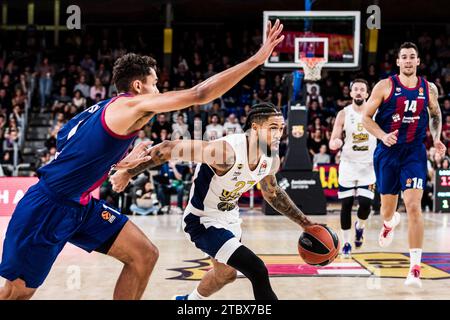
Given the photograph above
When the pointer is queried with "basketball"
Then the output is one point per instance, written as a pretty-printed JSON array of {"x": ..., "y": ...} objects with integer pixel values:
[{"x": 318, "y": 245}]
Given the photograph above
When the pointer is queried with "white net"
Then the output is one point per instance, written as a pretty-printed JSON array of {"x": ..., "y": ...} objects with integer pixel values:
[{"x": 312, "y": 68}]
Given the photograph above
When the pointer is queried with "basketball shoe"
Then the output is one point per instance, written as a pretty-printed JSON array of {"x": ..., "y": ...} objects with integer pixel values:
[
  {"x": 347, "y": 250},
  {"x": 413, "y": 278},
  {"x": 387, "y": 232},
  {"x": 359, "y": 238}
]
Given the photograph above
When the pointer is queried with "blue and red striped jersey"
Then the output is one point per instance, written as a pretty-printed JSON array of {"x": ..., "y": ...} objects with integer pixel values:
[
  {"x": 86, "y": 150},
  {"x": 405, "y": 110}
]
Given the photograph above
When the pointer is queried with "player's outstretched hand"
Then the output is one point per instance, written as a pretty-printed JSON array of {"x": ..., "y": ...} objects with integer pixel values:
[
  {"x": 389, "y": 139},
  {"x": 138, "y": 155},
  {"x": 272, "y": 40},
  {"x": 440, "y": 148}
]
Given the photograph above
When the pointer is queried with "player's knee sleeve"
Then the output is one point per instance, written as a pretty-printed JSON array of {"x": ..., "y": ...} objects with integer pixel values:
[
  {"x": 346, "y": 213},
  {"x": 250, "y": 265},
  {"x": 364, "y": 207}
]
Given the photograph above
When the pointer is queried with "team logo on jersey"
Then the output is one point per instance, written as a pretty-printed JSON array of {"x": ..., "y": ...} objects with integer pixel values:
[
  {"x": 398, "y": 89},
  {"x": 408, "y": 182},
  {"x": 358, "y": 148},
  {"x": 370, "y": 265},
  {"x": 360, "y": 137},
  {"x": 226, "y": 206},
  {"x": 298, "y": 131},
  {"x": 396, "y": 117},
  {"x": 240, "y": 166},
  {"x": 108, "y": 216},
  {"x": 420, "y": 91},
  {"x": 263, "y": 167}
]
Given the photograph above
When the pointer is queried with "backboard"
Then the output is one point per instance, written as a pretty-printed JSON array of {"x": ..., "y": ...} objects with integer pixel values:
[{"x": 332, "y": 35}]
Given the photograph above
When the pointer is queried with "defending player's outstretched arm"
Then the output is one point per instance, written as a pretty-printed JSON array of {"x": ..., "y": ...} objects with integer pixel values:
[
  {"x": 218, "y": 154},
  {"x": 435, "y": 119},
  {"x": 211, "y": 88},
  {"x": 280, "y": 200}
]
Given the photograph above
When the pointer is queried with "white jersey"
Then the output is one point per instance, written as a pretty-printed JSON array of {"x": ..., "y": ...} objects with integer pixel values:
[
  {"x": 216, "y": 196},
  {"x": 359, "y": 144}
]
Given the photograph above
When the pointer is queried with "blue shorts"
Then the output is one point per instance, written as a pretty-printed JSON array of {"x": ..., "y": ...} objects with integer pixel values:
[
  {"x": 217, "y": 242},
  {"x": 42, "y": 224},
  {"x": 400, "y": 167}
]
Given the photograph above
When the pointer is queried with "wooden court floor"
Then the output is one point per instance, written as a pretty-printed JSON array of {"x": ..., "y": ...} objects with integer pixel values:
[{"x": 371, "y": 273}]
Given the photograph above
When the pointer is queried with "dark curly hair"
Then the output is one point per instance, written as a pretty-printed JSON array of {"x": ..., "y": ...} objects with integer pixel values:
[
  {"x": 131, "y": 67},
  {"x": 261, "y": 112}
]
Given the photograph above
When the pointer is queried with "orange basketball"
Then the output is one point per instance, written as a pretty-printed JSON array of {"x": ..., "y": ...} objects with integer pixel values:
[{"x": 318, "y": 245}]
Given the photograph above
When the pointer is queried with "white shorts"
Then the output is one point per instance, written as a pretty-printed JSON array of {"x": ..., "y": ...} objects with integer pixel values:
[
  {"x": 218, "y": 239},
  {"x": 356, "y": 179}
]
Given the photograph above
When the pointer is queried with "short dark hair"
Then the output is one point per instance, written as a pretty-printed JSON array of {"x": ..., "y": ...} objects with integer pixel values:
[
  {"x": 260, "y": 112},
  {"x": 409, "y": 45},
  {"x": 131, "y": 67},
  {"x": 360, "y": 80}
]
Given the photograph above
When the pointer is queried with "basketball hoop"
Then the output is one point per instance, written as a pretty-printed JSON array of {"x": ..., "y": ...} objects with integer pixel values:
[{"x": 312, "y": 67}]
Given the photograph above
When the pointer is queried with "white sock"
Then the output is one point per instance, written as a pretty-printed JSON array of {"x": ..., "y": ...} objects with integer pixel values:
[
  {"x": 360, "y": 224},
  {"x": 346, "y": 235},
  {"x": 415, "y": 256},
  {"x": 195, "y": 295}
]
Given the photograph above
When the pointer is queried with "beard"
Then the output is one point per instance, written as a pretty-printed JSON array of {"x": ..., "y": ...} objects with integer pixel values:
[{"x": 358, "y": 102}]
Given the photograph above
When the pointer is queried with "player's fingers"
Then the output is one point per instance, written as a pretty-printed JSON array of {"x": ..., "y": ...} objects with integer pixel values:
[
  {"x": 269, "y": 27},
  {"x": 275, "y": 27},
  {"x": 277, "y": 42},
  {"x": 276, "y": 32}
]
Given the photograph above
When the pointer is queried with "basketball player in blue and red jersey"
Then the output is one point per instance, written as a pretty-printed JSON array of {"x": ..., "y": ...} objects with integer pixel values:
[
  {"x": 60, "y": 209},
  {"x": 406, "y": 103}
]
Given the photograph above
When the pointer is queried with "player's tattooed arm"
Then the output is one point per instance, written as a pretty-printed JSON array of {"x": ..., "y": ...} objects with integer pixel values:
[
  {"x": 217, "y": 154},
  {"x": 435, "y": 112},
  {"x": 435, "y": 119},
  {"x": 280, "y": 201}
]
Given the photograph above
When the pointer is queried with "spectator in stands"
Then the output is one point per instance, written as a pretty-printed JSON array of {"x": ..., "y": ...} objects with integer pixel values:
[
  {"x": 446, "y": 108},
  {"x": 17, "y": 114},
  {"x": 82, "y": 86},
  {"x": 19, "y": 98},
  {"x": 214, "y": 130},
  {"x": 313, "y": 95},
  {"x": 7, "y": 163},
  {"x": 170, "y": 181},
  {"x": 315, "y": 142},
  {"x": 198, "y": 128},
  {"x": 103, "y": 74},
  {"x": 79, "y": 101},
  {"x": 5, "y": 101},
  {"x": 314, "y": 111},
  {"x": 322, "y": 156},
  {"x": 140, "y": 138},
  {"x": 61, "y": 100},
  {"x": 160, "y": 124},
  {"x": 446, "y": 131},
  {"x": 262, "y": 93},
  {"x": 216, "y": 108},
  {"x": 180, "y": 128},
  {"x": 345, "y": 99},
  {"x": 317, "y": 125},
  {"x": 46, "y": 73},
  {"x": 232, "y": 125},
  {"x": 96, "y": 89},
  {"x": 88, "y": 64}
]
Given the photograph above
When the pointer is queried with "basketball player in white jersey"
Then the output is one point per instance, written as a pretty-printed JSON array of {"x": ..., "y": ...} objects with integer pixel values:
[
  {"x": 356, "y": 172},
  {"x": 227, "y": 168}
]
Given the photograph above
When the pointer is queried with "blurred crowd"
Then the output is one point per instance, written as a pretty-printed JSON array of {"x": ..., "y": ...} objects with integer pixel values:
[{"x": 79, "y": 75}]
